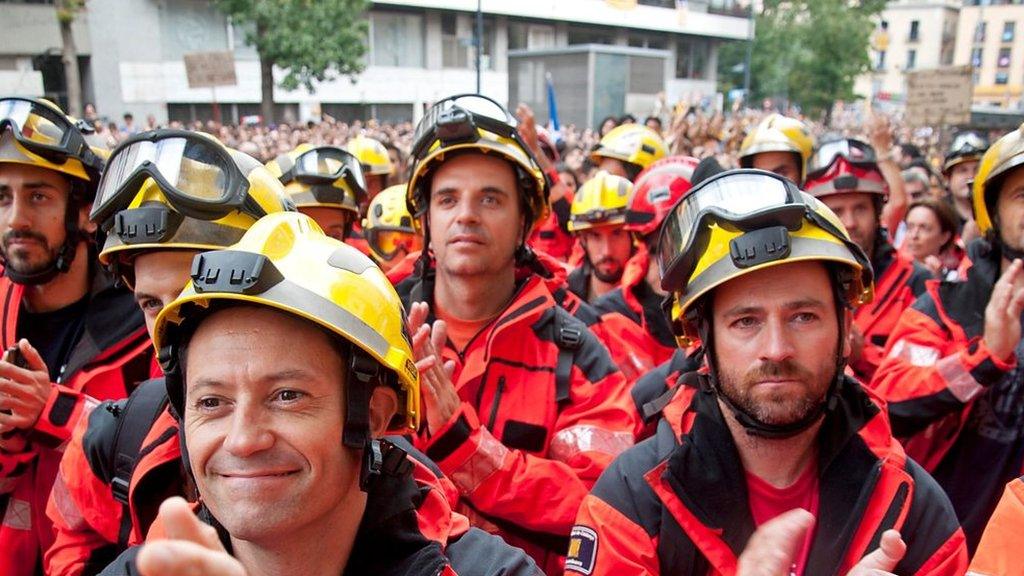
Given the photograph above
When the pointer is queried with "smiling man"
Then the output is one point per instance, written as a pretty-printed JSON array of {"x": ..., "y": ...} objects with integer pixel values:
[
  {"x": 153, "y": 233},
  {"x": 770, "y": 423},
  {"x": 284, "y": 441}
]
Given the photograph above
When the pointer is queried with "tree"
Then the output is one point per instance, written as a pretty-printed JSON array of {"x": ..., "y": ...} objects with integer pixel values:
[
  {"x": 67, "y": 10},
  {"x": 807, "y": 52},
  {"x": 310, "y": 40}
]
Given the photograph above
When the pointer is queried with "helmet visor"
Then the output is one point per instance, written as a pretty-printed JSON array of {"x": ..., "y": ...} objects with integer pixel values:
[
  {"x": 327, "y": 164},
  {"x": 853, "y": 151},
  {"x": 387, "y": 243},
  {"x": 739, "y": 200},
  {"x": 44, "y": 131},
  {"x": 198, "y": 178}
]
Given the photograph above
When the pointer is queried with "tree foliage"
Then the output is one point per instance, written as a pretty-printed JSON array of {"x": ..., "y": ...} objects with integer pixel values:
[
  {"x": 807, "y": 52},
  {"x": 310, "y": 40}
]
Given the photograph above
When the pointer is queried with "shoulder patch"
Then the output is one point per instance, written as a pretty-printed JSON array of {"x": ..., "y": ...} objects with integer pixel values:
[{"x": 582, "y": 550}]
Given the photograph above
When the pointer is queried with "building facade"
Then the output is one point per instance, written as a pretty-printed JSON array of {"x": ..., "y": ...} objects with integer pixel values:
[
  {"x": 990, "y": 37},
  {"x": 418, "y": 50},
  {"x": 910, "y": 35}
]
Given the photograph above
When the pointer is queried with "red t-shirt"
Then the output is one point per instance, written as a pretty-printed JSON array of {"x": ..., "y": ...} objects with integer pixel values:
[{"x": 767, "y": 502}]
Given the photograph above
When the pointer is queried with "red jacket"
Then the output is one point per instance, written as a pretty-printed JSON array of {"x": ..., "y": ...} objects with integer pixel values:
[
  {"x": 677, "y": 503},
  {"x": 999, "y": 552},
  {"x": 638, "y": 302},
  {"x": 526, "y": 444},
  {"x": 956, "y": 405},
  {"x": 898, "y": 282},
  {"x": 112, "y": 355}
]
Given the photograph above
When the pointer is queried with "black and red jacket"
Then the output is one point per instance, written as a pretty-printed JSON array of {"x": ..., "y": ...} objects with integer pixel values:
[
  {"x": 112, "y": 355},
  {"x": 677, "y": 502},
  {"x": 958, "y": 409},
  {"x": 408, "y": 529}
]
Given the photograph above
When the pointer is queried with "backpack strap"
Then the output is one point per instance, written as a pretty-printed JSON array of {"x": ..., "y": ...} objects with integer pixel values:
[
  {"x": 135, "y": 417},
  {"x": 569, "y": 339}
]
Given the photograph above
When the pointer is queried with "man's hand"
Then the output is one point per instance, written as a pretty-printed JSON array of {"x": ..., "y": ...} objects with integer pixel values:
[
  {"x": 191, "y": 547},
  {"x": 891, "y": 549},
  {"x": 23, "y": 391},
  {"x": 1002, "y": 315},
  {"x": 773, "y": 547},
  {"x": 880, "y": 134},
  {"x": 439, "y": 394}
]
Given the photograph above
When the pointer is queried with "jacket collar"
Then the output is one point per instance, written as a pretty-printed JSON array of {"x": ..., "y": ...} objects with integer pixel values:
[{"x": 705, "y": 472}]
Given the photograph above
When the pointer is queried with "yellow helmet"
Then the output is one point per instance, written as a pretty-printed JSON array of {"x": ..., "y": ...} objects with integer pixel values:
[
  {"x": 634, "y": 144},
  {"x": 470, "y": 122},
  {"x": 778, "y": 133},
  {"x": 36, "y": 132},
  {"x": 740, "y": 221},
  {"x": 388, "y": 224},
  {"x": 148, "y": 198},
  {"x": 1006, "y": 154},
  {"x": 601, "y": 201},
  {"x": 287, "y": 263},
  {"x": 320, "y": 177},
  {"x": 371, "y": 154}
]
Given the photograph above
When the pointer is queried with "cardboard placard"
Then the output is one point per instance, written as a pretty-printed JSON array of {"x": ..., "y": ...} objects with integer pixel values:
[
  {"x": 209, "y": 69},
  {"x": 939, "y": 96}
]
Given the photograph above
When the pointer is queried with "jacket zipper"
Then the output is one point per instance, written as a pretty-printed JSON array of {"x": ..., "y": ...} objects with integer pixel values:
[{"x": 495, "y": 403}]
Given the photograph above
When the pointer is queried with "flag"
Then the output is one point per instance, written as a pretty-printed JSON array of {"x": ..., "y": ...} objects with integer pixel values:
[{"x": 552, "y": 104}]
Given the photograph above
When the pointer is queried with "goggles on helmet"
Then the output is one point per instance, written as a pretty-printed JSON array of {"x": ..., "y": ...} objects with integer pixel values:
[
  {"x": 600, "y": 215},
  {"x": 387, "y": 243},
  {"x": 457, "y": 118},
  {"x": 967, "y": 143},
  {"x": 196, "y": 175},
  {"x": 46, "y": 132},
  {"x": 741, "y": 202},
  {"x": 853, "y": 151},
  {"x": 325, "y": 165}
]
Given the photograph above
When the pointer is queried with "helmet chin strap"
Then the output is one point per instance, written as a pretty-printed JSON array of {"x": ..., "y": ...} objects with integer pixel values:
[
  {"x": 751, "y": 423},
  {"x": 64, "y": 258}
]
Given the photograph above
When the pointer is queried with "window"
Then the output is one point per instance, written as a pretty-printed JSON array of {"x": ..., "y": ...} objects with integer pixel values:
[
  {"x": 454, "y": 50},
  {"x": 589, "y": 35},
  {"x": 979, "y": 32},
  {"x": 976, "y": 54},
  {"x": 645, "y": 41},
  {"x": 914, "y": 30},
  {"x": 1004, "y": 57},
  {"x": 911, "y": 59},
  {"x": 1002, "y": 78},
  {"x": 1009, "y": 28},
  {"x": 691, "y": 58},
  {"x": 397, "y": 39}
]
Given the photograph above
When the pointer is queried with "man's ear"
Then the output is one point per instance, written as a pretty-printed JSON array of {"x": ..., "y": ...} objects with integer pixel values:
[
  {"x": 383, "y": 407},
  {"x": 848, "y": 324},
  {"x": 84, "y": 224}
]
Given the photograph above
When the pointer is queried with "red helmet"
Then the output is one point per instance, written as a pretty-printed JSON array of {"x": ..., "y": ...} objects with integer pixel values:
[
  {"x": 658, "y": 188},
  {"x": 844, "y": 166}
]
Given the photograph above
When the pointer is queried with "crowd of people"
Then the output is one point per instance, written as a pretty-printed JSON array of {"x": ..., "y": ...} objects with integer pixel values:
[{"x": 685, "y": 344}]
